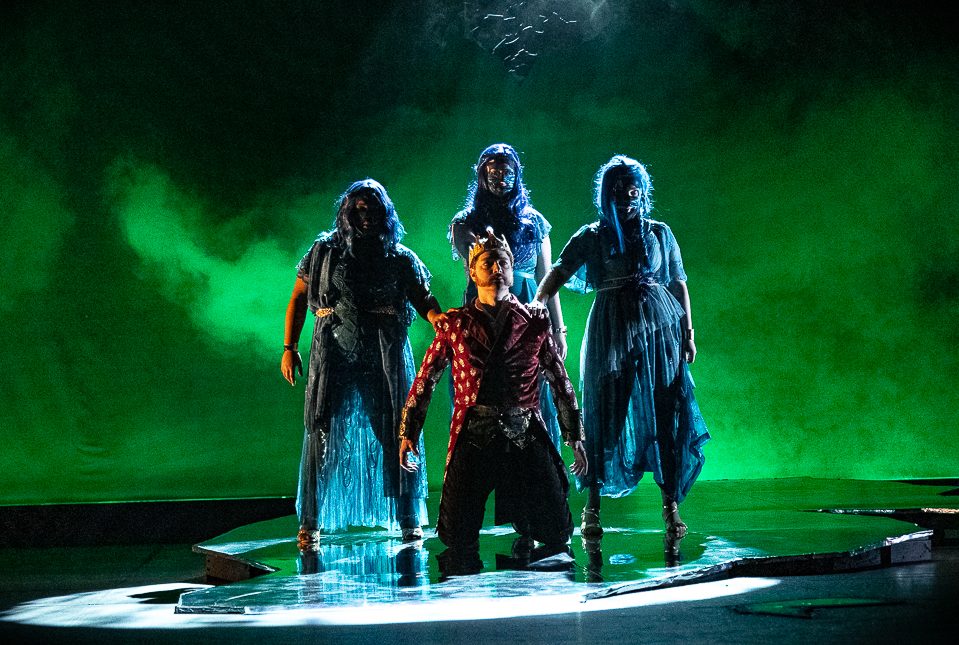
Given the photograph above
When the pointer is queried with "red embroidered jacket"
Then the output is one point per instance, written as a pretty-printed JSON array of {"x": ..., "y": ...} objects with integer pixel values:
[{"x": 525, "y": 350}]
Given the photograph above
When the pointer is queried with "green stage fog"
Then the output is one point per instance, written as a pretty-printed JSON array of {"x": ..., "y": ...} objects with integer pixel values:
[{"x": 164, "y": 168}]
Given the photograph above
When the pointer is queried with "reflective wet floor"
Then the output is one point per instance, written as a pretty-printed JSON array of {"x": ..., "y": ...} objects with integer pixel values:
[
  {"x": 789, "y": 526},
  {"x": 122, "y": 594}
]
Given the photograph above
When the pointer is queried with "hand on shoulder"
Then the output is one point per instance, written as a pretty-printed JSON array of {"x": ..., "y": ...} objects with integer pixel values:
[{"x": 537, "y": 309}]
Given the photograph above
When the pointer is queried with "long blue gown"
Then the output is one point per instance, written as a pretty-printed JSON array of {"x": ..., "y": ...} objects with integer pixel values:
[
  {"x": 639, "y": 410},
  {"x": 360, "y": 370}
]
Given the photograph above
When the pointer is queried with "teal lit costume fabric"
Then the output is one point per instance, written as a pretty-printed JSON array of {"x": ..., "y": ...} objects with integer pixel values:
[
  {"x": 360, "y": 371},
  {"x": 640, "y": 413}
]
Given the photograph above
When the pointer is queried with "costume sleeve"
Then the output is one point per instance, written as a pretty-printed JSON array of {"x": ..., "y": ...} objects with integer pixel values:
[
  {"x": 674, "y": 260},
  {"x": 417, "y": 283},
  {"x": 541, "y": 225},
  {"x": 418, "y": 401},
  {"x": 304, "y": 268},
  {"x": 567, "y": 410},
  {"x": 575, "y": 256},
  {"x": 457, "y": 235}
]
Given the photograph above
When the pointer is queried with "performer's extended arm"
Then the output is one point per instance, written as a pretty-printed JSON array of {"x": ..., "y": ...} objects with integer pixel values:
[
  {"x": 291, "y": 364},
  {"x": 425, "y": 303},
  {"x": 681, "y": 292},
  {"x": 418, "y": 401},
  {"x": 550, "y": 284},
  {"x": 418, "y": 291},
  {"x": 677, "y": 287},
  {"x": 571, "y": 258},
  {"x": 461, "y": 239},
  {"x": 567, "y": 410},
  {"x": 543, "y": 262}
]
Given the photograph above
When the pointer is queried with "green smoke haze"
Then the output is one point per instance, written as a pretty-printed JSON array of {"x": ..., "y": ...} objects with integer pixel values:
[{"x": 164, "y": 168}]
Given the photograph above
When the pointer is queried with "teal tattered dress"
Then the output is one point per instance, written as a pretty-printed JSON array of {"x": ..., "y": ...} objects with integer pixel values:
[
  {"x": 639, "y": 410},
  {"x": 360, "y": 371}
]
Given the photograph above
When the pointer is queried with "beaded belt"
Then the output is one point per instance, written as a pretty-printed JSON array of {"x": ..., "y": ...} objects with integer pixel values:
[
  {"x": 387, "y": 310},
  {"x": 511, "y": 421},
  {"x": 500, "y": 410}
]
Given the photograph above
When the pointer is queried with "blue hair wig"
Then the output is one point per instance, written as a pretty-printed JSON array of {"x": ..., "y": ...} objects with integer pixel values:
[{"x": 618, "y": 168}]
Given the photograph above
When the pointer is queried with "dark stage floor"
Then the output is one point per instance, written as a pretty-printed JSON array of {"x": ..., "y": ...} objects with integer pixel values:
[{"x": 789, "y": 560}]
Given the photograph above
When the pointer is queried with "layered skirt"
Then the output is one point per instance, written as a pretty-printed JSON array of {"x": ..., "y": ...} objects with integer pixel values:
[{"x": 639, "y": 410}]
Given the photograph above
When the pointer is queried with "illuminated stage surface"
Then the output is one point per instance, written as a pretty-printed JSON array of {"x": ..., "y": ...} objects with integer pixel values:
[{"x": 739, "y": 530}]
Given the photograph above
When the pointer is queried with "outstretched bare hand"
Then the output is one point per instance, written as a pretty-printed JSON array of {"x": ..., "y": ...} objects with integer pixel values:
[
  {"x": 580, "y": 465},
  {"x": 559, "y": 337},
  {"x": 290, "y": 365},
  {"x": 407, "y": 447}
]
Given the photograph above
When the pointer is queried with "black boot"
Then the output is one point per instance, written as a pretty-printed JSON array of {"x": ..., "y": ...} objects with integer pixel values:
[{"x": 674, "y": 523}]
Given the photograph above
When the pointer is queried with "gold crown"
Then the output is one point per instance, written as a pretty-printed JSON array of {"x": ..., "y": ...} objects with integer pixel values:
[{"x": 488, "y": 243}]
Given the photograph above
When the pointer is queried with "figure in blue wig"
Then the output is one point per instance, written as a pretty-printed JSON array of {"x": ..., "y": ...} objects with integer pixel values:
[
  {"x": 498, "y": 199},
  {"x": 639, "y": 411},
  {"x": 365, "y": 289}
]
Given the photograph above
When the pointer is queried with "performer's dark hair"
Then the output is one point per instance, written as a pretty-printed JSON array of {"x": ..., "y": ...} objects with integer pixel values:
[{"x": 376, "y": 197}]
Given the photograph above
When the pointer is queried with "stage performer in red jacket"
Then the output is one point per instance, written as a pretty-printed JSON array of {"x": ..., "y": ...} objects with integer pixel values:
[{"x": 498, "y": 440}]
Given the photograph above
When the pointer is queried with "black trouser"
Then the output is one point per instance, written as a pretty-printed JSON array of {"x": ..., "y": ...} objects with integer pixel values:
[{"x": 532, "y": 477}]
